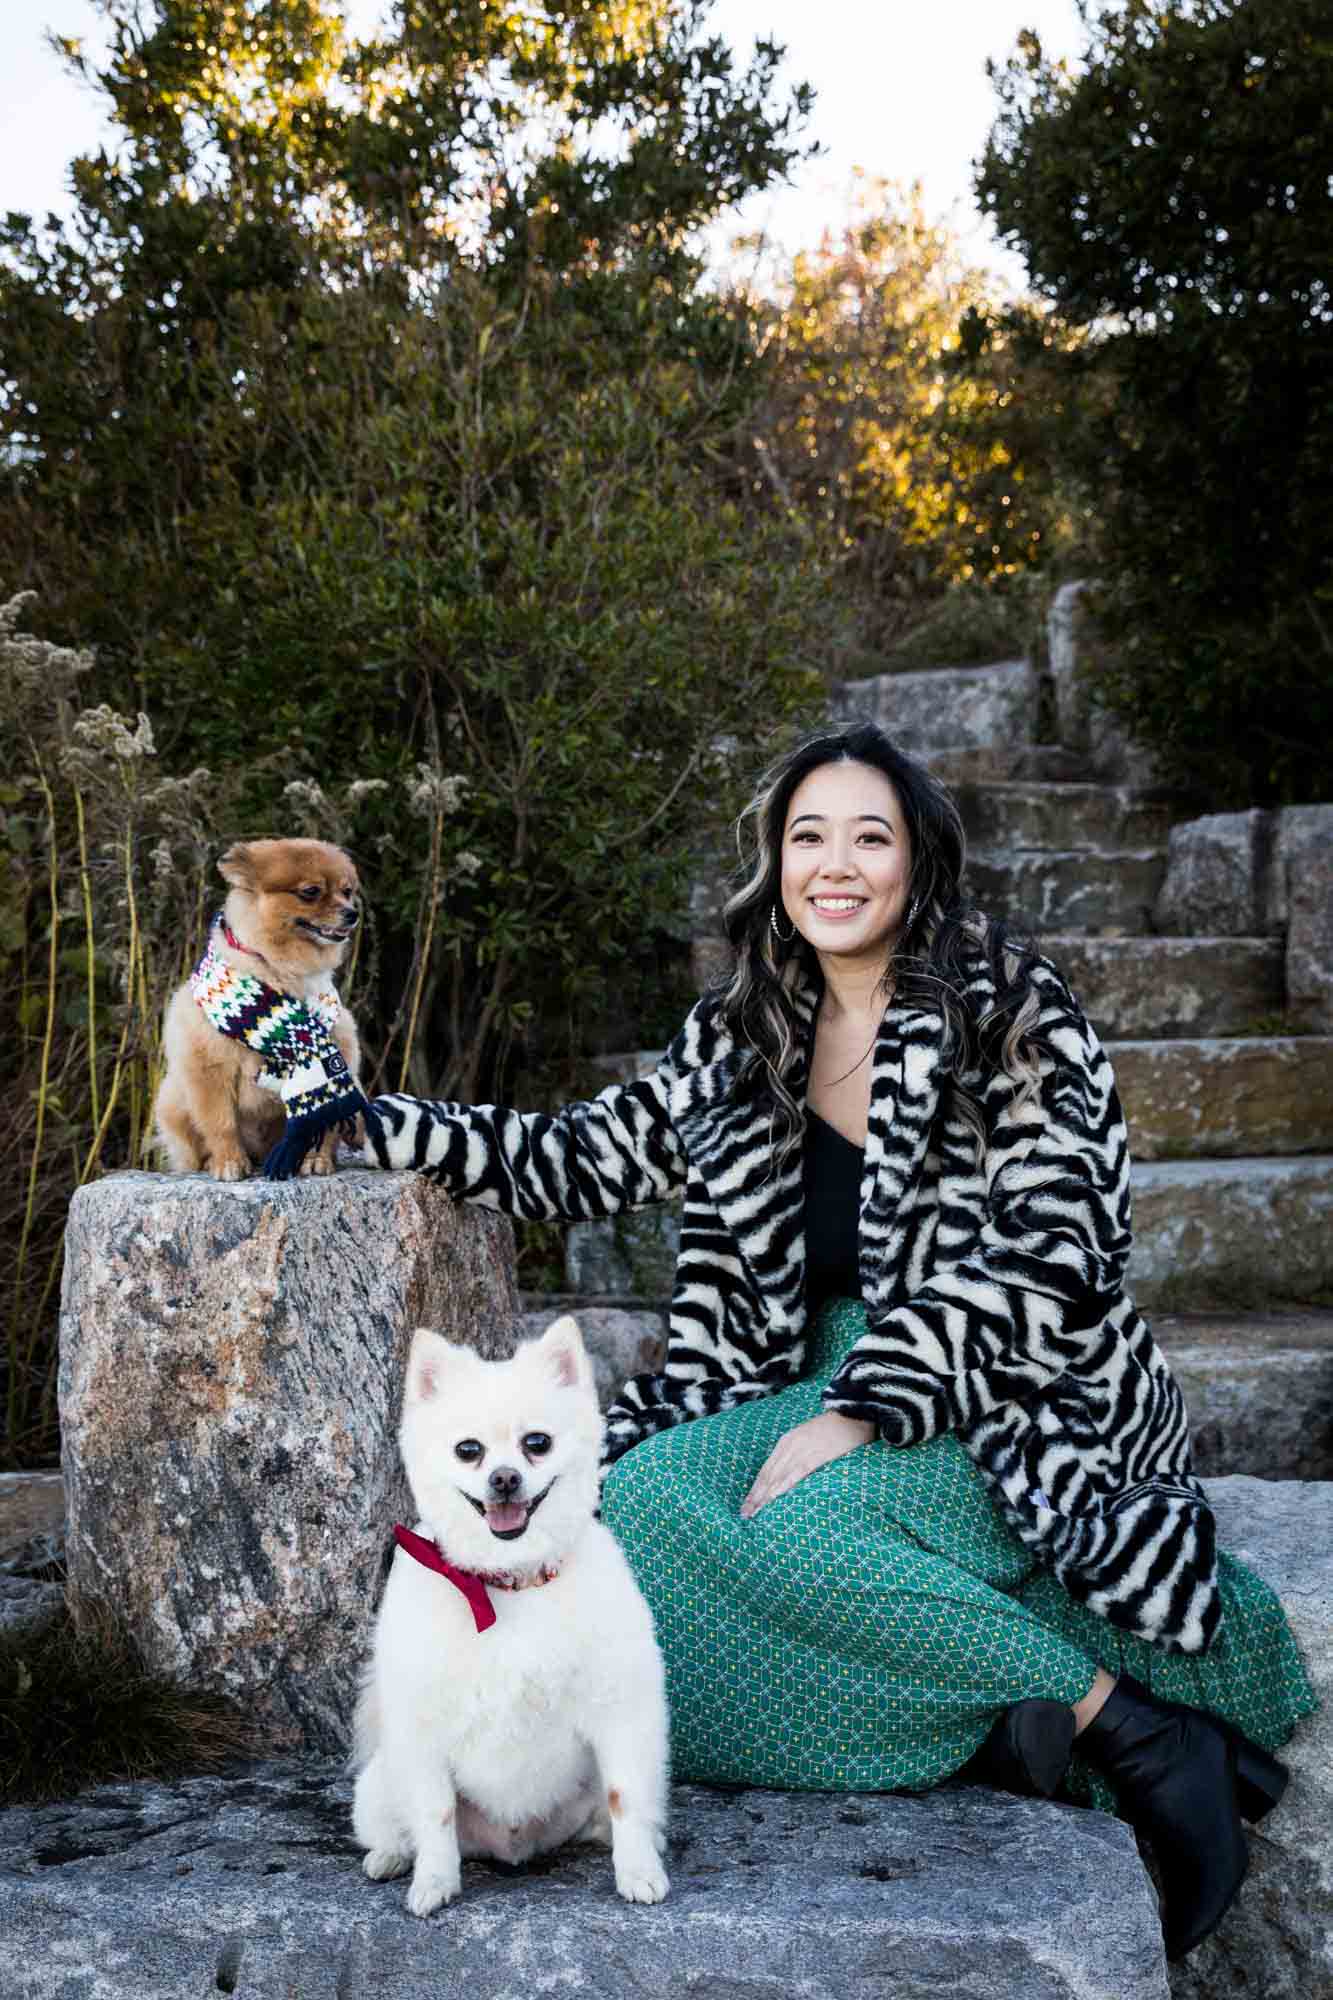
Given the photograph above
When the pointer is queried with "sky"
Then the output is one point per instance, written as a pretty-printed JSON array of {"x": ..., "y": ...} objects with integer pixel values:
[{"x": 901, "y": 92}]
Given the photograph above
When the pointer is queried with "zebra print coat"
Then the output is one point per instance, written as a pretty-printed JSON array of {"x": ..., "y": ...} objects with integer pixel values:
[{"x": 993, "y": 1284}]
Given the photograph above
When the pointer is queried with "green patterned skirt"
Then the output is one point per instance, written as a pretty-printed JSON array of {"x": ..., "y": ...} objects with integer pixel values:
[{"x": 862, "y": 1632}]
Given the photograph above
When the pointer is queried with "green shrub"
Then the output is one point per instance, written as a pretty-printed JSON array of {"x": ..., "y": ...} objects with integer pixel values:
[{"x": 1171, "y": 199}]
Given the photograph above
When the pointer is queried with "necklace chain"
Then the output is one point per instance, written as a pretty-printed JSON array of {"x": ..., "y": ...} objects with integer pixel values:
[{"x": 833, "y": 1084}]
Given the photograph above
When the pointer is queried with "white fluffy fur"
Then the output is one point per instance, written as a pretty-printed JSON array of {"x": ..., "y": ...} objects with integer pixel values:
[{"x": 551, "y": 1725}]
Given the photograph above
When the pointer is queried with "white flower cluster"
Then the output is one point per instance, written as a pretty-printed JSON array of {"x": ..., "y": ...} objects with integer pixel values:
[
  {"x": 106, "y": 731},
  {"x": 431, "y": 792}
]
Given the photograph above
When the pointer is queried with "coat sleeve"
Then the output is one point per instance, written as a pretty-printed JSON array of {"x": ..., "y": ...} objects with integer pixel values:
[
  {"x": 1026, "y": 1302},
  {"x": 618, "y": 1150}
]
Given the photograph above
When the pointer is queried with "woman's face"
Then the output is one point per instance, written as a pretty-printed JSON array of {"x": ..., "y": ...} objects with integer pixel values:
[{"x": 846, "y": 862}]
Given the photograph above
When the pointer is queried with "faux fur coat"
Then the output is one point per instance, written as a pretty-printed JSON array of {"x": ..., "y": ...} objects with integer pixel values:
[{"x": 993, "y": 1277}]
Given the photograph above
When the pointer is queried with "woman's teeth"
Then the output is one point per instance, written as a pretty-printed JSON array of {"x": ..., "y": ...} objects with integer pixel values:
[{"x": 837, "y": 903}]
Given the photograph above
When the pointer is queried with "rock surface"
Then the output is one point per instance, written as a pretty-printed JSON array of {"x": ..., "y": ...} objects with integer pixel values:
[
  {"x": 252, "y": 1886},
  {"x": 1077, "y": 889},
  {"x": 620, "y": 1341},
  {"x": 1222, "y": 1098},
  {"x": 230, "y": 1380},
  {"x": 1075, "y": 658},
  {"x": 1258, "y": 1388},
  {"x": 1138, "y": 987},
  {"x": 1219, "y": 878},
  {"x": 1249, "y": 1232},
  {"x": 946, "y": 708},
  {"x": 1305, "y": 847},
  {"x": 1277, "y": 1940}
]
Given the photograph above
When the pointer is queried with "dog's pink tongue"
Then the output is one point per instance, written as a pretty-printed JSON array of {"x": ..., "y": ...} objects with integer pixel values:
[{"x": 501, "y": 1519}]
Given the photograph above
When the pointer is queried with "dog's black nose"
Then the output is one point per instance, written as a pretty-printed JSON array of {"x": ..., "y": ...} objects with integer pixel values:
[
  {"x": 351, "y": 916},
  {"x": 504, "y": 1482}
]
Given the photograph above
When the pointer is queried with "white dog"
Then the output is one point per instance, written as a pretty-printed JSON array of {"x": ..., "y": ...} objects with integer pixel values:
[{"x": 515, "y": 1697}]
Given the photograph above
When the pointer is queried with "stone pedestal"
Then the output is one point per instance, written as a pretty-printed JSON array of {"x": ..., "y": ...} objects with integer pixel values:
[{"x": 230, "y": 1379}]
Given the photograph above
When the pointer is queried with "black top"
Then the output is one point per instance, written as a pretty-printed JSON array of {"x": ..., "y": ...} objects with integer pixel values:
[{"x": 832, "y": 1173}]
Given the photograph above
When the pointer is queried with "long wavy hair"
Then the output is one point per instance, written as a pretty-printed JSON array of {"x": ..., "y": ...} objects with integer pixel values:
[{"x": 933, "y": 956}]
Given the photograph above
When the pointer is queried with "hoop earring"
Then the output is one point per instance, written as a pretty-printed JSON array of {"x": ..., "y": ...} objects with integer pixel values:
[
  {"x": 912, "y": 909},
  {"x": 773, "y": 921}
]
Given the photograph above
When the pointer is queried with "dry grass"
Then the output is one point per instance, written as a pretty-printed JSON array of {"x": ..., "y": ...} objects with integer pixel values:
[{"x": 78, "y": 1708}]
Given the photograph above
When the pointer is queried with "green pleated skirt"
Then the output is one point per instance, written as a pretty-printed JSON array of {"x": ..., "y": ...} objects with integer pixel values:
[{"x": 863, "y": 1631}]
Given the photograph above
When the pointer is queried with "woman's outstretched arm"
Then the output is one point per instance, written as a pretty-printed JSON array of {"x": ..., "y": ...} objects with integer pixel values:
[{"x": 615, "y": 1151}]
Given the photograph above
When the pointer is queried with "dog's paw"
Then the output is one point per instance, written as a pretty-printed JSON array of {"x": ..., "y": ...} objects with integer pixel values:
[
  {"x": 230, "y": 1167},
  {"x": 431, "y": 1887},
  {"x": 383, "y": 1863},
  {"x": 643, "y": 1880},
  {"x": 318, "y": 1162}
]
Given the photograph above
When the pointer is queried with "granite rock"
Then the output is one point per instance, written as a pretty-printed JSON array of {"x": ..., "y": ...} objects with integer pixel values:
[
  {"x": 230, "y": 1378},
  {"x": 1249, "y": 1232},
  {"x": 946, "y": 708},
  {"x": 620, "y": 1341},
  {"x": 1258, "y": 1388},
  {"x": 1219, "y": 878},
  {"x": 1305, "y": 848},
  {"x": 1226, "y": 1097},
  {"x": 1140, "y": 987},
  {"x": 1076, "y": 656},
  {"x": 251, "y": 1885}
]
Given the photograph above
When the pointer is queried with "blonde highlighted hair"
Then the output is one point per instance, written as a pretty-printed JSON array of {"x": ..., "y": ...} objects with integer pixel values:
[{"x": 933, "y": 959}]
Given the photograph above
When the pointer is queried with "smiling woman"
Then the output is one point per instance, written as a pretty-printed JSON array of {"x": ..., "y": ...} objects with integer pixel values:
[{"x": 913, "y": 1493}]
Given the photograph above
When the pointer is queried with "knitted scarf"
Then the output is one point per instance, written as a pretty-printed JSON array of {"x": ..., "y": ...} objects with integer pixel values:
[{"x": 302, "y": 1063}]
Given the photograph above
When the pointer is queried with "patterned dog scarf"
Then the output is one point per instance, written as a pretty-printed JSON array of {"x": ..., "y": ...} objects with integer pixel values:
[{"x": 303, "y": 1064}]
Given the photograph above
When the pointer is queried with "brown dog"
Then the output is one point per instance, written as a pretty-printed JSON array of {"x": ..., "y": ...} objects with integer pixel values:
[{"x": 292, "y": 907}]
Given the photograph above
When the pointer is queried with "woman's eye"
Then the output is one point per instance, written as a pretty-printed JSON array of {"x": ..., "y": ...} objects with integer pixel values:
[
  {"x": 536, "y": 1444},
  {"x": 308, "y": 895},
  {"x": 469, "y": 1450}
]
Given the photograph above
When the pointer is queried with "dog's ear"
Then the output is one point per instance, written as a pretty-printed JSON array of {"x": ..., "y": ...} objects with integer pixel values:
[
  {"x": 237, "y": 866},
  {"x": 562, "y": 1349},
  {"x": 428, "y": 1362}
]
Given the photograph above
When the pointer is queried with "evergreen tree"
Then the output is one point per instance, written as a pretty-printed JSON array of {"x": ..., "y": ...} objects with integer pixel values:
[{"x": 1171, "y": 197}]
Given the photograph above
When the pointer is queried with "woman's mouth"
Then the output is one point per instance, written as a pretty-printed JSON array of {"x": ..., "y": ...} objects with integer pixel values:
[{"x": 838, "y": 907}]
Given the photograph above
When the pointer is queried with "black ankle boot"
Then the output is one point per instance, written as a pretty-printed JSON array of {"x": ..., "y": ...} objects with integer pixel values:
[
  {"x": 1026, "y": 1752},
  {"x": 1175, "y": 1772}
]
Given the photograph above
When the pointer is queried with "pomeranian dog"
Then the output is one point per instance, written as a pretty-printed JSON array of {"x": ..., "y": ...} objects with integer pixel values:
[
  {"x": 515, "y": 1697},
  {"x": 292, "y": 907}
]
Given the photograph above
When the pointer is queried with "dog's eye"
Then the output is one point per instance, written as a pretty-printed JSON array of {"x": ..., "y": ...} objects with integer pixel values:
[
  {"x": 309, "y": 895},
  {"x": 536, "y": 1444},
  {"x": 469, "y": 1450}
]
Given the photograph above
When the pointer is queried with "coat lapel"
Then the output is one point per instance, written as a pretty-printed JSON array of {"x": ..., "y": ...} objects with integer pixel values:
[
  {"x": 726, "y": 1128},
  {"x": 904, "y": 1100},
  {"x": 728, "y": 1131}
]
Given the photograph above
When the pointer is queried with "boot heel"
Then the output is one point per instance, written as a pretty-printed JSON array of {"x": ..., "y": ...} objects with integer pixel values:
[{"x": 1261, "y": 1778}]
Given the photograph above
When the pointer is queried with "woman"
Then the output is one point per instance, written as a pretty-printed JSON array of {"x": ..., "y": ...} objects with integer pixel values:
[{"x": 913, "y": 1492}]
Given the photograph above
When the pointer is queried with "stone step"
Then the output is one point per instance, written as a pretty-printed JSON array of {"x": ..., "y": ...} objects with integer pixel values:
[
  {"x": 1062, "y": 816},
  {"x": 1258, "y": 1388},
  {"x": 1075, "y": 890},
  {"x": 1008, "y": 763},
  {"x": 1243, "y": 1232},
  {"x": 1219, "y": 1099},
  {"x": 947, "y": 708},
  {"x": 251, "y": 1884},
  {"x": 1136, "y": 987},
  {"x": 1235, "y": 1232}
]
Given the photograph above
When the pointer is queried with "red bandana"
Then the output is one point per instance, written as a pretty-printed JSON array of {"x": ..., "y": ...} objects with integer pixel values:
[{"x": 471, "y": 1582}]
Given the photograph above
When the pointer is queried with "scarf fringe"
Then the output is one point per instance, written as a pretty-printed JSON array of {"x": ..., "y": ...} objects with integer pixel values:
[{"x": 303, "y": 1134}]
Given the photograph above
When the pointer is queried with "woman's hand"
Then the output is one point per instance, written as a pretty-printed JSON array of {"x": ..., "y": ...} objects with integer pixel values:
[{"x": 801, "y": 1452}]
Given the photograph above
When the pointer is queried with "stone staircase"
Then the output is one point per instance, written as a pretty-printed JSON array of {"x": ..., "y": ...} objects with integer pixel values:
[{"x": 1230, "y": 1113}]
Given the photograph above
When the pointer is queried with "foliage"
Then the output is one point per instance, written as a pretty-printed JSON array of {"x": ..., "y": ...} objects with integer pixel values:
[
  {"x": 106, "y": 864},
  {"x": 368, "y": 429},
  {"x": 1171, "y": 199},
  {"x": 921, "y": 438}
]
